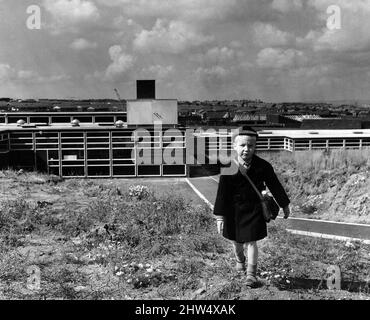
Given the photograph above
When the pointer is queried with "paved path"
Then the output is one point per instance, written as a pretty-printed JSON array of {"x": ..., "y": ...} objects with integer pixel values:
[{"x": 207, "y": 187}]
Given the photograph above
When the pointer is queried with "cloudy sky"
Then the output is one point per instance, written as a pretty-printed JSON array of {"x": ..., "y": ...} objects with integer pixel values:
[{"x": 274, "y": 50}]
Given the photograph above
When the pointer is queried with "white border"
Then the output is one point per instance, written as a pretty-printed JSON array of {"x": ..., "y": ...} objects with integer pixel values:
[{"x": 326, "y": 236}]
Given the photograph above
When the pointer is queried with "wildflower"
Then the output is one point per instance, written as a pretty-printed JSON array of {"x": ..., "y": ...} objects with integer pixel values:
[{"x": 349, "y": 244}]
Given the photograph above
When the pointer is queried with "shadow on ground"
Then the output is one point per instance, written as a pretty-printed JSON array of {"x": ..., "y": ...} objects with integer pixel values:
[
  {"x": 317, "y": 284},
  {"x": 204, "y": 170}
]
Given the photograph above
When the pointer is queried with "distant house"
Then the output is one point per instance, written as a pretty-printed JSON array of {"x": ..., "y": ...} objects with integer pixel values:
[
  {"x": 333, "y": 123},
  {"x": 302, "y": 117},
  {"x": 246, "y": 117},
  {"x": 216, "y": 117},
  {"x": 280, "y": 120}
]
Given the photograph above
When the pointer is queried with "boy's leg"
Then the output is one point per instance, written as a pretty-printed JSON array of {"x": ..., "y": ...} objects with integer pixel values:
[
  {"x": 239, "y": 255},
  {"x": 252, "y": 252},
  {"x": 252, "y": 264}
]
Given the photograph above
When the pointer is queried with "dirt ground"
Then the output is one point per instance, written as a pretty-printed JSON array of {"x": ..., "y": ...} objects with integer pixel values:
[{"x": 66, "y": 245}]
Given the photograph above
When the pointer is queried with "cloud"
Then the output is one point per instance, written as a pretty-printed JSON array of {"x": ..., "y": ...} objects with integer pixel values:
[
  {"x": 6, "y": 72},
  {"x": 218, "y": 54},
  {"x": 169, "y": 37},
  {"x": 54, "y": 78},
  {"x": 354, "y": 33},
  {"x": 157, "y": 71},
  {"x": 189, "y": 10},
  {"x": 122, "y": 63},
  {"x": 213, "y": 72},
  {"x": 215, "y": 77},
  {"x": 66, "y": 14},
  {"x": 33, "y": 77},
  {"x": 82, "y": 44},
  {"x": 285, "y": 6},
  {"x": 278, "y": 58},
  {"x": 267, "y": 35},
  {"x": 27, "y": 75},
  {"x": 72, "y": 10},
  {"x": 11, "y": 75}
]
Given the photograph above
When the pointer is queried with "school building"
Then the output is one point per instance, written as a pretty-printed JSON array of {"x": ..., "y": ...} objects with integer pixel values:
[{"x": 140, "y": 142}]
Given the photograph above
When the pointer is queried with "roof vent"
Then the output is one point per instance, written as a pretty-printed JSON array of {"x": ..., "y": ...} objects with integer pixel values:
[
  {"x": 313, "y": 132},
  {"x": 119, "y": 123},
  {"x": 357, "y": 132},
  {"x": 75, "y": 123},
  {"x": 20, "y": 122}
]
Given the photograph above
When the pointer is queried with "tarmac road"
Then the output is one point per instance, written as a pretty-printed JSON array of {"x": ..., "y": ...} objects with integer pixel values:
[{"x": 206, "y": 188}]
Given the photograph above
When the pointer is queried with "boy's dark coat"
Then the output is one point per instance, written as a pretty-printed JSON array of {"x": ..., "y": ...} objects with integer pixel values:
[{"x": 240, "y": 205}]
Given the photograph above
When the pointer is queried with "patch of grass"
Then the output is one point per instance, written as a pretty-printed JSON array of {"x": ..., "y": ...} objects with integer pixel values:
[
  {"x": 319, "y": 183},
  {"x": 294, "y": 258},
  {"x": 111, "y": 243}
]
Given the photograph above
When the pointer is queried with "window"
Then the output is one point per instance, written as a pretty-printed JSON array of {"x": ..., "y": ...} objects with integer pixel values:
[
  {"x": 39, "y": 119},
  {"x": 98, "y": 171},
  {"x": 15, "y": 119},
  {"x": 148, "y": 170},
  {"x": 124, "y": 170},
  {"x": 60, "y": 119},
  {"x": 73, "y": 171},
  {"x": 173, "y": 170},
  {"x": 98, "y": 154},
  {"x": 104, "y": 119}
]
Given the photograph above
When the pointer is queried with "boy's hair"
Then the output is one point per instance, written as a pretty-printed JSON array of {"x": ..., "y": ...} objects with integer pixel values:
[{"x": 244, "y": 131}]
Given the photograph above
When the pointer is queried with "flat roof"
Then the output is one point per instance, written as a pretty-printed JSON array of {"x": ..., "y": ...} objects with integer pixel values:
[
  {"x": 138, "y": 100},
  {"x": 313, "y": 133},
  {"x": 300, "y": 134},
  {"x": 292, "y": 134},
  {"x": 57, "y": 113},
  {"x": 83, "y": 126}
]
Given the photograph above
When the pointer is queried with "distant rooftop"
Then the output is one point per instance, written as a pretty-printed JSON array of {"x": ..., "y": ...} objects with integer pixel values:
[
  {"x": 302, "y": 134},
  {"x": 321, "y": 133}
]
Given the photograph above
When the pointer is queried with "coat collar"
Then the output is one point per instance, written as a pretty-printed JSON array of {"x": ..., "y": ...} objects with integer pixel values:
[{"x": 251, "y": 168}]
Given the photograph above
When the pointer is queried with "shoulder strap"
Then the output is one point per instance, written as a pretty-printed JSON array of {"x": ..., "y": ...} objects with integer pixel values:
[{"x": 244, "y": 173}]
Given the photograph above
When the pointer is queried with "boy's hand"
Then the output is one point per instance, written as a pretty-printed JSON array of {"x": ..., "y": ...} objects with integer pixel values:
[
  {"x": 286, "y": 212},
  {"x": 220, "y": 226}
]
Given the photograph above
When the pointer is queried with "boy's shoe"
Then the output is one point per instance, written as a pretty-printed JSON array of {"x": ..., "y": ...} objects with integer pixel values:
[
  {"x": 240, "y": 266},
  {"x": 251, "y": 281}
]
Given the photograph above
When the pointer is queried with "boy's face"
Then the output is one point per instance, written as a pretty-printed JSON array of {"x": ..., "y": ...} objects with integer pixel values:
[{"x": 245, "y": 146}]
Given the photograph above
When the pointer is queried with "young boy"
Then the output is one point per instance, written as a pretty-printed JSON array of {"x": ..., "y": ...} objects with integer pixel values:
[{"x": 237, "y": 206}]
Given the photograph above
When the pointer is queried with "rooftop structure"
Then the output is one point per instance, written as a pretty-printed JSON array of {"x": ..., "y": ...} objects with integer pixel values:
[{"x": 93, "y": 150}]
